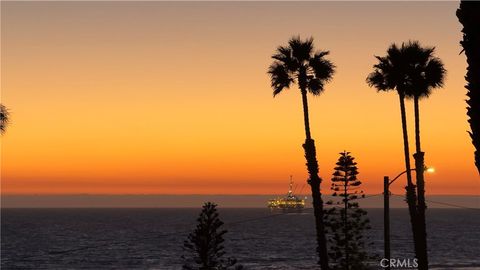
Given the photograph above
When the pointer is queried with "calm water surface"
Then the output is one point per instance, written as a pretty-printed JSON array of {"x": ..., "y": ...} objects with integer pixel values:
[{"x": 258, "y": 238}]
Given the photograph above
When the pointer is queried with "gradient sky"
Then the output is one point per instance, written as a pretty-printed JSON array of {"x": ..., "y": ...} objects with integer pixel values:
[{"x": 173, "y": 98}]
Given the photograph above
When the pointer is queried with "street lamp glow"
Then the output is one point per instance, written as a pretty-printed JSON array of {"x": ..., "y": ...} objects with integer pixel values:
[{"x": 386, "y": 208}]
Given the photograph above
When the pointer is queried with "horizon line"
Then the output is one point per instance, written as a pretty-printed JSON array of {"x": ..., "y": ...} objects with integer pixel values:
[{"x": 190, "y": 194}]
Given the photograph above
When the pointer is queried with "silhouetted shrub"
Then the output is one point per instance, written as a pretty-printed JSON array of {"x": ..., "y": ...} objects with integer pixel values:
[
  {"x": 345, "y": 221},
  {"x": 205, "y": 243}
]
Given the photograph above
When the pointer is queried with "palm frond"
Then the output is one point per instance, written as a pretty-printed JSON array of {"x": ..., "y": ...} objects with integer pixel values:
[
  {"x": 279, "y": 77},
  {"x": 377, "y": 79},
  {"x": 284, "y": 55},
  {"x": 4, "y": 118},
  {"x": 435, "y": 72},
  {"x": 315, "y": 86},
  {"x": 423, "y": 70},
  {"x": 301, "y": 50},
  {"x": 322, "y": 68}
]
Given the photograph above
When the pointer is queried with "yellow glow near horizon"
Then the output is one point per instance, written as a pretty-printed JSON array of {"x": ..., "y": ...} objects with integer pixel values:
[{"x": 165, "y": 97}]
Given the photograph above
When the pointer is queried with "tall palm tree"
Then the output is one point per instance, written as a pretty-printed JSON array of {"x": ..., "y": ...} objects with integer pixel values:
[
  {"x": 468, "y": 16},
  {"x": 392, "y": 73},
  {"x": 299, "y": 63},
  {"x": 4, "y": 118},
  {"x": 426, "y": 73}
]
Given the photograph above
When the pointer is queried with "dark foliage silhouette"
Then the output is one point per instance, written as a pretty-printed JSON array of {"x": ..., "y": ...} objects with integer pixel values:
[
  {"x": 468, "y": 16},
  {"x": 427, "y": 73},
  {"x": 299, "y": 63},
  {"x": 392, "y": 72},
  {"x": 346, "y": 222},
  {"x": 205, "y": 244},
  {"x": 4, "y": 118}
]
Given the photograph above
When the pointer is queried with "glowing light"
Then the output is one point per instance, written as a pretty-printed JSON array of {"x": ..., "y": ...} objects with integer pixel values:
[{"x": 430, "y": 170}]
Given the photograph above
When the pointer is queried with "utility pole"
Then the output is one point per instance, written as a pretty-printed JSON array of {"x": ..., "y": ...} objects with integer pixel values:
[
  {"x": 386, "y": 219},
  {"x": 386, "y": 211}
]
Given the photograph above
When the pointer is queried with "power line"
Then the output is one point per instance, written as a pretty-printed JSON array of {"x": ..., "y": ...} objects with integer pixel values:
[
  {"x": 446, "y": 204},
  {"x": 453, "y": 205},
  {"x": 372, "y": 195}
]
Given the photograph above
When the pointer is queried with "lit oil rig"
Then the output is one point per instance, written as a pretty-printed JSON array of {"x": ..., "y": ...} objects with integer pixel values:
[{"x": 289, "y": 202}]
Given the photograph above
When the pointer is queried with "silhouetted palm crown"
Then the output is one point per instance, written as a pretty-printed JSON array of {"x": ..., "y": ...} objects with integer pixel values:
[
  {"x": 426, "y": 70},
  {"x": 298, "y": 63},
  {"x": 4, "y": 118},
  {"x": 410, "y": 69},
  {"x": 389, "y": 73}
]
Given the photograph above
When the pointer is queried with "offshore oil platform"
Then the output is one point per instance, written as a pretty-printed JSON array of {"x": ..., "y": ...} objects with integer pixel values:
[{"x": 289, "y": 202}]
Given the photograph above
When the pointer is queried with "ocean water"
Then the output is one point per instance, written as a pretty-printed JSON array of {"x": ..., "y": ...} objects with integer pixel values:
[{"x": 258, "y": 238}]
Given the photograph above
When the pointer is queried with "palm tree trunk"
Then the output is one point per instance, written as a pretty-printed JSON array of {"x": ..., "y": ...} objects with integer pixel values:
[
  {"x": 305, "y": 115},
  {"x": 419, "y": 171},
  {"x": 314, "y": 182},
  {"x": 417, "y": 125},
  {"x": 410, "y": 188},
  {"x": 468, "y": 17},
  {"x": 347, "y": 266}
]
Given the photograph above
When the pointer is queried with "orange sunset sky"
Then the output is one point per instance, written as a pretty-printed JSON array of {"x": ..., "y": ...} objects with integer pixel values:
[{"x": 173, "y": 98}]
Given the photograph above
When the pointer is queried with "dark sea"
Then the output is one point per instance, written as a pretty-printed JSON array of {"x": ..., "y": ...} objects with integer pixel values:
[{"x": 258, "y": 238}]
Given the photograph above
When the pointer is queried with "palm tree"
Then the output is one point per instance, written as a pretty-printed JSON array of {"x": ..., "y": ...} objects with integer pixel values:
[
  {"x": 427, "y": 73},
  {"x": 392, "y": 73},
  {"x": 468, "y": 16},
  {"x": 4, "y": 118},
  {"x": 299, "y": 63}
]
